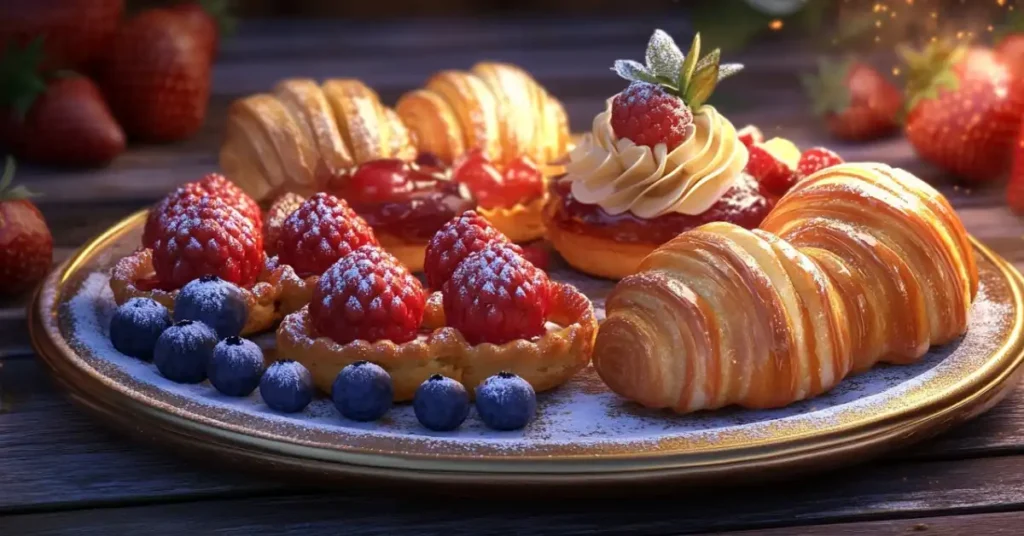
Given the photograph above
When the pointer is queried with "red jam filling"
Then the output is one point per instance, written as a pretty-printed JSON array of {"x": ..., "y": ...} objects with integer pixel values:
[{"x": 745, "y": 204}]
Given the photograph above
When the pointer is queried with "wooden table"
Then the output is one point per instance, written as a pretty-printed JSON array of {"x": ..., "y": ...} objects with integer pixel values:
[{"x": 61, "y": 473}]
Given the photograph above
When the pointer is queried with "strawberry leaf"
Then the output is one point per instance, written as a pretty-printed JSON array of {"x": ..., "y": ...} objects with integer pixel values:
[
  {"x": 663, "y": 56},
  {"x": 633, "y": 71},
  {"x": 686, "y": 70},
  {"x": 8, "y": 175},
  {"x": 220, "y": 12},
  {"x": 6, "y": 192},
  {"x": 20, "y": 81},
  {"x": 827, "y": 89}
]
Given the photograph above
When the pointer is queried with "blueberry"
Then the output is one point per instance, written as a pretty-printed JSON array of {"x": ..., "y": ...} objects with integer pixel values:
[
  {"x": 183, "y": 351},
  {"x": 287, "y": 386},
  {"x": 441, "y": 403},
  {"x": 214, "y": 302},
  {"x": 236, "y": 366},
  {"x": 362, "y": 391},
  {"x": 505, "y": 401},
  {"x": 136, "y": 326}
]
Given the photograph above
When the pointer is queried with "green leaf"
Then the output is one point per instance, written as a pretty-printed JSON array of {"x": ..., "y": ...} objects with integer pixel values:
[
  {"x": 663, "y": 56},
  {"x": 702, "y": 85},
  {"x": 18, "y": 193},
  {"x": 689, "y": 63},
  {"x": 8, "y": 175},
  {"x": 20, "y": 81},
  {"x": 714, "y": 57},
  {"x": 729, "y": 69}
]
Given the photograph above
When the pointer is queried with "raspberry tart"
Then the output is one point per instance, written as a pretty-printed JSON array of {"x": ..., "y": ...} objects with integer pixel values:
[
  {"x": 493, "y": 311},
  {"x": 659, "y": 161}
]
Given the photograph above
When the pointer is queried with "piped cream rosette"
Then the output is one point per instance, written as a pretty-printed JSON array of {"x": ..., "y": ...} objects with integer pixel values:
[{"x": 620, "y": 176}]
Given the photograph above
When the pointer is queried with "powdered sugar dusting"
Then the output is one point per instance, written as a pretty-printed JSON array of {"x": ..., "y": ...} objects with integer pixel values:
[{"x": 579, "y": 414}]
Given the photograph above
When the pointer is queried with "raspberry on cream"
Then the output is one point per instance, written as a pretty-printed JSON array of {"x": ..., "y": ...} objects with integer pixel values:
[{"x": 620, "y": 176}]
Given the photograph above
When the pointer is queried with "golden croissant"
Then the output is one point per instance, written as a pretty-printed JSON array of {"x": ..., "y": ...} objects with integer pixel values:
[
  {"x": 858, "y": 264},
  {"x": 300, "y": 135}
]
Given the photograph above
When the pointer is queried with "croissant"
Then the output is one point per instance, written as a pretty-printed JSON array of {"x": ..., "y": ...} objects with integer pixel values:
[
  {"x": 302, "y": 134},
  {"x": 858, "y": 264}
]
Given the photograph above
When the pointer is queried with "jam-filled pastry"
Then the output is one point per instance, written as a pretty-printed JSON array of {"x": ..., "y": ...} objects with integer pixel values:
[
  {"x": 858, "y": 264},
  {"x": 494, "y": 312},
  {"x": 205, "y": 228},
  {"x": 659, "y": 161}
]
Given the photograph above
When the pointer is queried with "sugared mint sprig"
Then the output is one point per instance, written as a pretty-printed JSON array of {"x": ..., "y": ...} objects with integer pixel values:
[{"x": 688, "y": 76}]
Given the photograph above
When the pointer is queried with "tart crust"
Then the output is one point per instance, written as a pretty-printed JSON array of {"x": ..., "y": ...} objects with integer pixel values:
[
  {"x": 277, "y": 292},
  {"x": 520, "y": 223},
  {"x": 546, "y": 361}
]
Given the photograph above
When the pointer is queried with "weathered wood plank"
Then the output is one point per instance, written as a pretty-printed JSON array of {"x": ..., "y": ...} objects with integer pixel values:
[
  {"x": 1001, "y": 524},
  {"x": 867, "y": 493}
]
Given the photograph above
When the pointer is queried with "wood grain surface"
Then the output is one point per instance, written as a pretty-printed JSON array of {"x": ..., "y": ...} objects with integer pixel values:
[{"x": 60, "y": 473}]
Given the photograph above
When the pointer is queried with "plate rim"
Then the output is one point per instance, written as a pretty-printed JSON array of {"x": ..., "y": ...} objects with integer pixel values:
[{"x": 968, "y": 397}]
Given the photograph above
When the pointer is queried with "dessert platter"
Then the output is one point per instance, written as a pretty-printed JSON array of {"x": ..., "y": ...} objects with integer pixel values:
[{"x": 455, "y": 290}]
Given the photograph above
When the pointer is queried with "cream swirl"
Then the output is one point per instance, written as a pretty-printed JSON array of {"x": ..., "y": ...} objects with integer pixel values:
[{"x": 620, "y": 176}]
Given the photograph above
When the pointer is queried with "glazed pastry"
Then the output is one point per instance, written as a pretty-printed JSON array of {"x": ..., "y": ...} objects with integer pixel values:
[
  {"x": 858, "y": 264},
  {"x": 302, "y": 136},
  {"x": 658, "y": 161}
]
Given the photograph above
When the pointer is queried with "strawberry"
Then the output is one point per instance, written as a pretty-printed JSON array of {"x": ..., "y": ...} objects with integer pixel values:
[
  {"x": 61, "y": 121},
  {"x": 856, "y": 101},
  {"x": 773, "y": 174},
  {"x": 816, "y": 159},
  {"x": 658, "y": 106},
  {"x": 208, "y": 20},
  {"x": 76, "y": 32},
  {"x": 157, "y": 76},
  {"x": 1010, "y": 46},
  {"x": 964, "y": 109},
  {"x": 26, "y": 245},
  {"x": 1015, "y": 188},
  {"x": 750, "y": 135}
]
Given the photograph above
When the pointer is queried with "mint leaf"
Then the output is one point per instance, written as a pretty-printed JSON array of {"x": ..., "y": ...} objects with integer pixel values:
[
  {"x": 633, "y": 71},
  {"x": 663, "y": 56}
]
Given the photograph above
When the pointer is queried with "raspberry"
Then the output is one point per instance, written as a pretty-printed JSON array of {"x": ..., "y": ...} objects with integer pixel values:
[
  {"x": 208, "y": 237},
  {"x": 816, "y": 159},
  {"x": 212, "y": 184},
  {"x": 455, "y": 241},
  {"x": 523, "y": 180},
  {"x": 648, "y": 115},
  {"x": 368, "y": 295},
  {"x": 279, "y": 211},
  {"x": 483, "y": 179},
  {"x": 497, "y": 296},
  {"x": 773, "y": 174},
  {"x": 322, "y": 230},
  {"x": 750, "y": 135}
]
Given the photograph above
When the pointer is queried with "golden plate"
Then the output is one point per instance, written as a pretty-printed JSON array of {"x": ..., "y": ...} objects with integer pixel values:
[{"x": 583, "y": 435}]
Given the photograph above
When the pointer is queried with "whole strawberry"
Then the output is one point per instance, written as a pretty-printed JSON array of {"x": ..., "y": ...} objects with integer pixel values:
[
  {"x": 26, "y": 246},
  {"x": 1015, "y": 188},
  {"x": 1010, "y": 46},
  {"x": 76, "y": 32},
  {"x": 208, "y": 238},
  {"x": 57, "y": 120},
  {"x": 659, "y": 105},
  {"x": 965, "y": 108},
  {"x": 368, "y": 295},
  {"x": 497, "y": 296},
  {"x": 208, "y": 20},
  {"x": 157, "y": 77},
  {"x": 856, "y": 101}
]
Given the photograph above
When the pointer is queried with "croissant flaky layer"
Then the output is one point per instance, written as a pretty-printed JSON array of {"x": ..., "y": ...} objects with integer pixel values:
[
  {"x": 857, "y": 264},
  {"x": 301, "y": 134}
]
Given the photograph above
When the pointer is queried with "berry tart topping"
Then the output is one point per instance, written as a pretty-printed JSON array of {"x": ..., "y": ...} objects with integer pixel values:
[
  {"x": 456, "y": 240},
  {"x": 367, "y": 295},
  {"x": 136, "y": 326},
  {"x": 236, "y": 366},
  {"x": 378, "y": 181},
  {"x": 214, "y": 302},
  {"x": 362, "y": 392},
  {"x": 816, "y": 159},
  {"x": 482, "y": 178},
  {"x": 523, "y": 179},
  {"x": 213, "y": 184},
  {"x": 506, "y": 401},
  {"x": 430, "y": 162},
  {"x": 773, "y": 174},
  {"x": 750, "y": 135},
  {"x": 279, "y": 211},
  {"x": 208, "y": 238},
  {"x": 286, "y": 386},
  {"x": 441, "y": 403},
  {"x": 496, "y": 296},
  {"x": 659, "y": 104},
  {"x": 322, "y": 230},
  {"x": 183, "y": 351}
]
